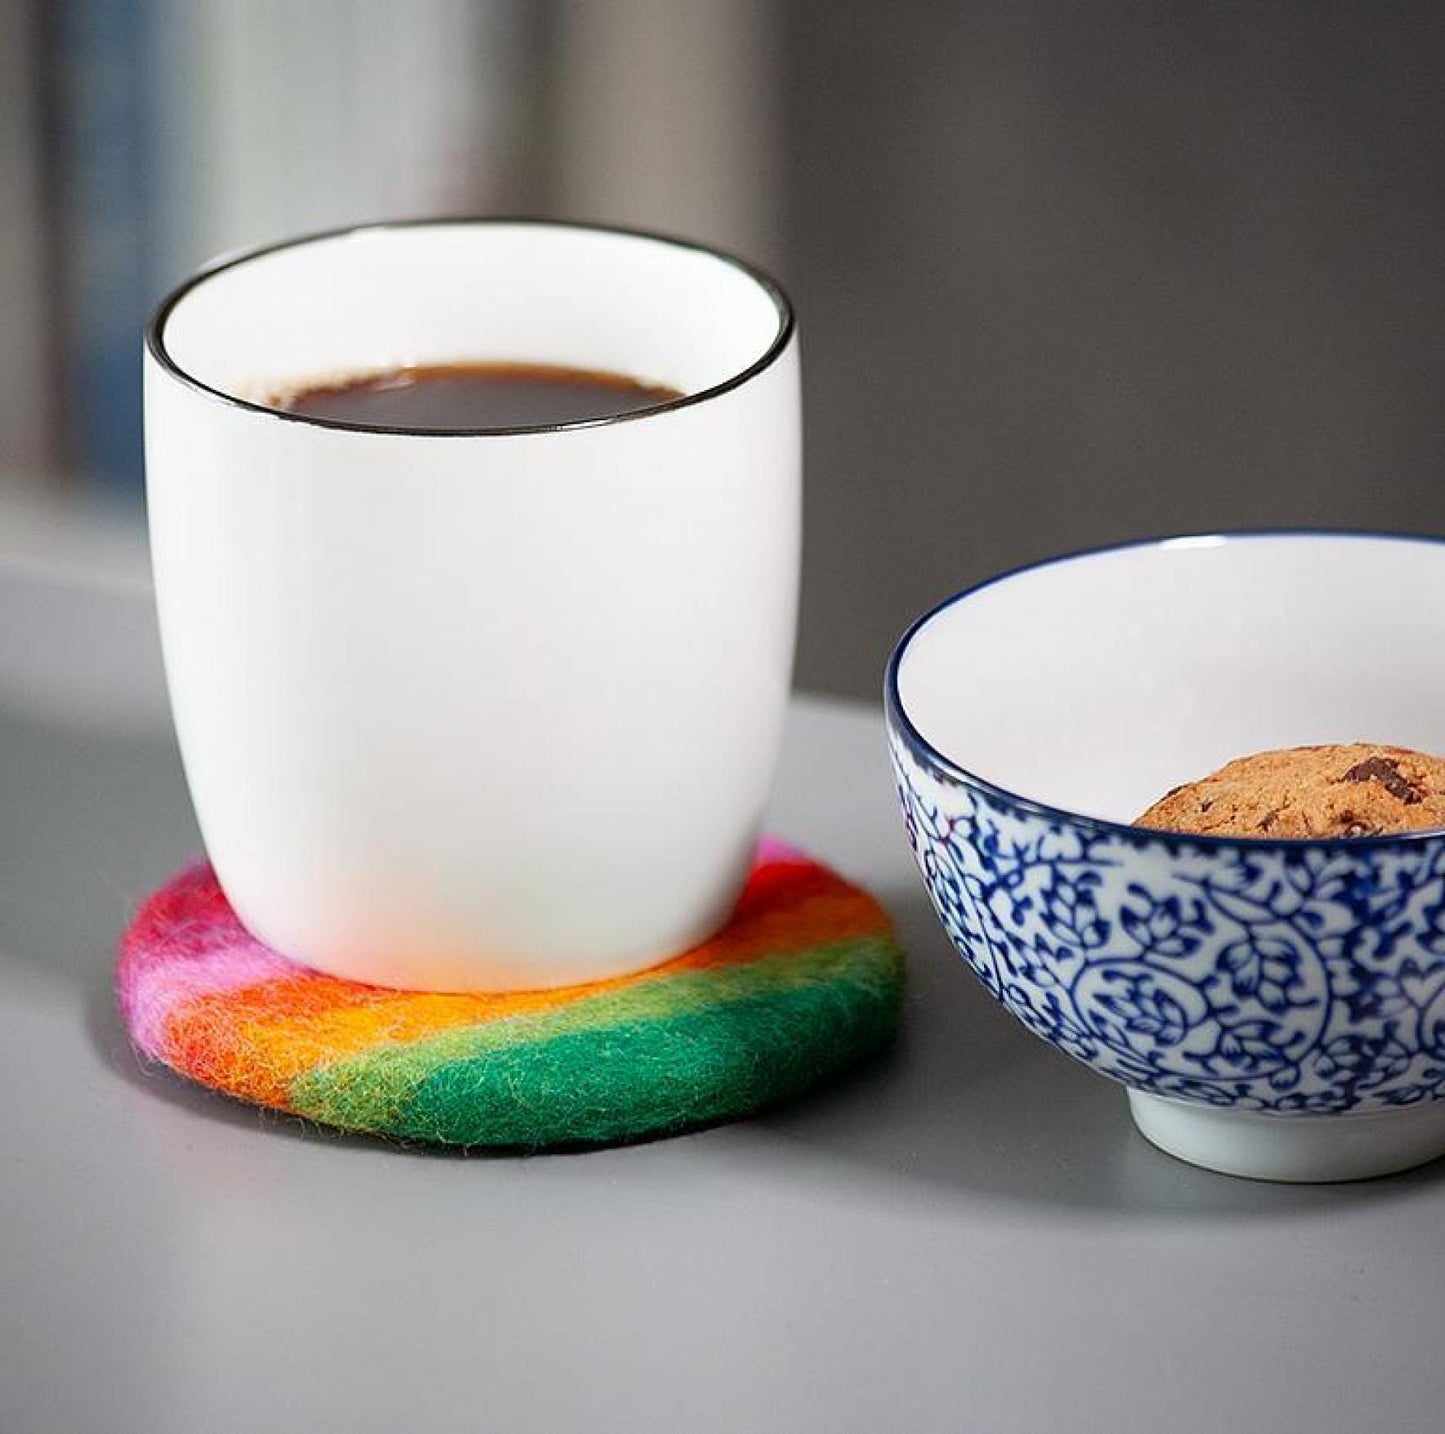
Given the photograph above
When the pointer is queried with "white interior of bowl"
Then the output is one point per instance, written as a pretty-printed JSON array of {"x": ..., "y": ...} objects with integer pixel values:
[{"x": 1096, "y": 683}]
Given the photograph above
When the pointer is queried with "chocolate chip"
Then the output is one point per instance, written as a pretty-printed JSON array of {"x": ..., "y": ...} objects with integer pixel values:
[
  {"x": 1352, "y": 826},
  {"x": 1267, "y": 820},
  {"x": 1360, "y": 829},
  {"x": 1385, "y": 771}
]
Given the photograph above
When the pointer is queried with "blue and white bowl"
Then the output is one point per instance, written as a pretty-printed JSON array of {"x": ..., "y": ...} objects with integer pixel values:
[{"x": 1276, "y": 1008}]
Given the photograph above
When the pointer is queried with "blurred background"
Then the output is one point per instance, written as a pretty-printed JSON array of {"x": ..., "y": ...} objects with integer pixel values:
[{"x": 1066, "y": 274}]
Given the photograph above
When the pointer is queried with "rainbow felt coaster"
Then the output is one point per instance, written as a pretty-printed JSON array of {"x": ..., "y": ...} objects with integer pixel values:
[{"x": 803, "y": 982}]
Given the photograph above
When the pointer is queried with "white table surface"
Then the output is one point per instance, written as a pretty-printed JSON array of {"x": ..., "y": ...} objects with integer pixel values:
[{"x": 967, "y": 1236}]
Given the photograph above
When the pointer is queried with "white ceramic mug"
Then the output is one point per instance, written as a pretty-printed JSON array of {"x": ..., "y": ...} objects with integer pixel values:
[{"x": 490, "y": 710}]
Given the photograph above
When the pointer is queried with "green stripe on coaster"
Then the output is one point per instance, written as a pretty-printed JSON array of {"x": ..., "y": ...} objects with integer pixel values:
[{"x": 686, "y": 1050}]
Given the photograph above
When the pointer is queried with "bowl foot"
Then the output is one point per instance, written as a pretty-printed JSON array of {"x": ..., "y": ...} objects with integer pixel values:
[{"x": 1300, "y": 1148}]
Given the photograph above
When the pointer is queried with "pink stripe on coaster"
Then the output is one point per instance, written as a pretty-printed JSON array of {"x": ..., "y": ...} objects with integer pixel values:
[
  {"x": 773, "y": 849},
  {"x": 167, "y": 963}
]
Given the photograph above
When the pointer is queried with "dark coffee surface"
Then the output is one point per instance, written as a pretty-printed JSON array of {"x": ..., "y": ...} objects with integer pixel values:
[{"x": 446, "y": 398}]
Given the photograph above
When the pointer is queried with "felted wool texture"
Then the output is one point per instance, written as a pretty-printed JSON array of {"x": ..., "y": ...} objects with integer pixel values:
[{"x": 804, "y": 982}]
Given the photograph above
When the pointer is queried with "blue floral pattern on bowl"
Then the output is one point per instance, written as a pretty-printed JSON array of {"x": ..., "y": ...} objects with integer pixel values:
[{"x": 1266, "y": 976}]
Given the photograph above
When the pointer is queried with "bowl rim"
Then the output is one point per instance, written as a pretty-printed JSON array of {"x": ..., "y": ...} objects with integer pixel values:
[{"x": 900, "y": 722}]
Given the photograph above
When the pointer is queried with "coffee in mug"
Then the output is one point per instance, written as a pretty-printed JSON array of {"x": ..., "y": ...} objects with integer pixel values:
[{"x": 461, "y": 397}]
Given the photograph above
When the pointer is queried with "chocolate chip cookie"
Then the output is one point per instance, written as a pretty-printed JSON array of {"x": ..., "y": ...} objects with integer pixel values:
[{"x": 1353, "y": 790}]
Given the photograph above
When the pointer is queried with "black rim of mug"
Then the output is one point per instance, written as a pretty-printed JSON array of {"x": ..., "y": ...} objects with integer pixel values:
[{"x": 155, "y": 330}]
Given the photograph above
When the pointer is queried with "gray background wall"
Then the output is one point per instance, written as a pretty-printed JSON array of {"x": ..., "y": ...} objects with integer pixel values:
[{"x": 1070, "y": 274}]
